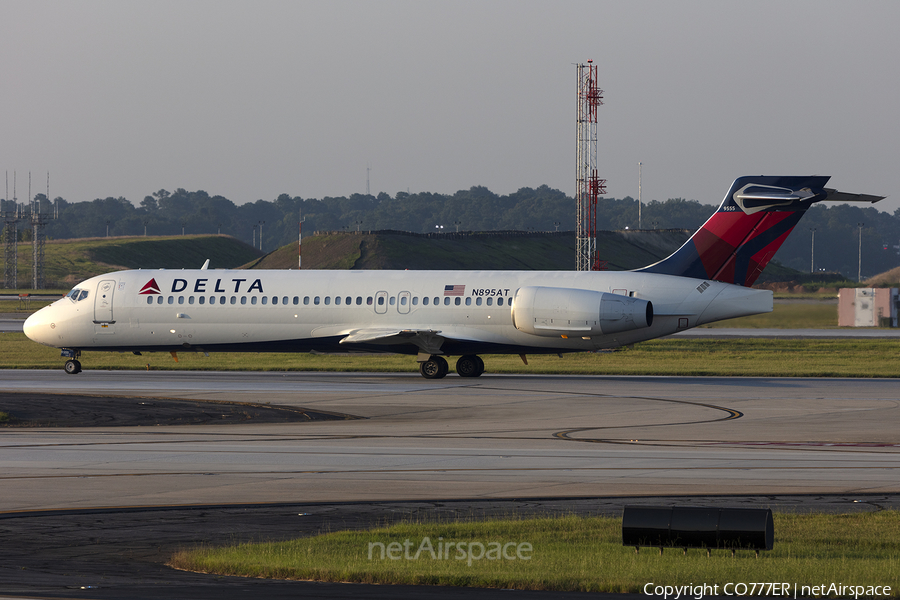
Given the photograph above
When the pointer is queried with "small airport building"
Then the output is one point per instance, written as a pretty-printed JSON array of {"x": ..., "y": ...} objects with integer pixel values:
[{"x": 868, "y": 307}]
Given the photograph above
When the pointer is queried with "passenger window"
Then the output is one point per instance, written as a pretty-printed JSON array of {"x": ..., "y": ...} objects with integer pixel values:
[
  {"x": 499, "y": 301},
  {"x": 478, "y": 301},
  {"x": 403, "y": 301},
  {"x": 180, "y": 299},
  {"x": 149, "y": 299},
  {"x": 469, "y": 301},
  {"x": 234, "y": 300},
  {"x": 393, "y": 300},
  {"x": 212, "y": 299},
  {"x": 369, "y": 301},
  {"x": 359, "y": 300},
  {"x": 243, "y": 299},
  {"x": 425, "y": 301},
  {"x": 159, "y": 299},
  {"x": 327, "y": 300},
  {"x": 348, "y": 300},
  {"x": 284, "y": 299},
  {"x": 380, "y": 300},
  {"x": 490, "y": 301},
  {"x": 305, "y": 299},
  {"x": 456, "y": 301},
  {"x": 201, "y": 300},
  {"x": 171, "y": 300},
  {"x": 446, "y": 301},
  {"x": 415, "y": 300},
  {"x": 316, "y": 300},
  {"x": 296, "y": 300},
  {"x": 265, "y": 300},
  {"x": 221, "y": 299},
  {"x": 253, "y": 300},
  {"x": 437, "y": 300},
  {"x": 337, "y": 300},
  {"x": 274, "y": 300},
  {"x": 191, "y": 300}
]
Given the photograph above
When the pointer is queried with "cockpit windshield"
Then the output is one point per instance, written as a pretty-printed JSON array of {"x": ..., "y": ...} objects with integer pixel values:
[{"x": 76, "y": 295}]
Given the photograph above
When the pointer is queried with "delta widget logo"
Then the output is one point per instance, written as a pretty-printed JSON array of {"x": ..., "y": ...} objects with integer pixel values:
[{"x": 150, "y": 287}]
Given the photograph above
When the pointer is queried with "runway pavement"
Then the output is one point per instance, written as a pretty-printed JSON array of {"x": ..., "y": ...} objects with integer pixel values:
[
  {"x": 93, "y": 511},
  {"x": 494, "y": 437}
]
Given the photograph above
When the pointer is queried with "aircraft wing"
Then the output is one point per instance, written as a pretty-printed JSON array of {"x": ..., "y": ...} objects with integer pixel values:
[{"x": 427, "y": 340}]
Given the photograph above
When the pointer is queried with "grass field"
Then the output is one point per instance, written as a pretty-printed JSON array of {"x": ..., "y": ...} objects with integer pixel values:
[
  {"x": 570, "y": 553},
  {"x": 748, "y": 357},
  {"x": 800, "y": 315}
]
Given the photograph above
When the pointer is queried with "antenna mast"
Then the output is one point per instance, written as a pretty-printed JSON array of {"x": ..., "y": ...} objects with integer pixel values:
[
  {"x": 11, "y": 238},
  {"x": 588, "y": 185}
]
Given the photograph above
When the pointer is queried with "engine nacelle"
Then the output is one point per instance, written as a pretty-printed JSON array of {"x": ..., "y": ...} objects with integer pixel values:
[{"x": 555, "y": 312}]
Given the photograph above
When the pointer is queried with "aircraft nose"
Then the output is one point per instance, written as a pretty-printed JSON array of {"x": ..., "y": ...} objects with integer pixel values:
[{"x": 39, "y": 327}]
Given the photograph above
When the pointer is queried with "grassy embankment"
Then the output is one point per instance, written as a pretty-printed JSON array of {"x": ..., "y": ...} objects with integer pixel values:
[
  {"x": 66, "y": 262},
  {"x": 572, "y": 554}
]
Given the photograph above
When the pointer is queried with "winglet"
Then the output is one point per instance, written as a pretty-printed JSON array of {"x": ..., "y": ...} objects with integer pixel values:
[{"x": 205, "y": 265}]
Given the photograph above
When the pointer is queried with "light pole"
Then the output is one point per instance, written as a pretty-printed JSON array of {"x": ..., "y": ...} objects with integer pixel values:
[
  {"x": 261, "y": 223},
  {"x": 145, "y": 227},
  {"x": 640, "y": 173},
  {"x": 859, "y": 268},
  {"x": 556, "y": 225},
  {"x": 254, "y": 236},
  {"x": 457, "y": 225},
  {"x": 812, "y": 251},
  {"x": 107, "y": 228},
  {"x": 183, "y": 225}
]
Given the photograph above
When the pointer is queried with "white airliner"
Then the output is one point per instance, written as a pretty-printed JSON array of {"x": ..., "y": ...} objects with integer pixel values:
[{"x": 433, "y": 314}]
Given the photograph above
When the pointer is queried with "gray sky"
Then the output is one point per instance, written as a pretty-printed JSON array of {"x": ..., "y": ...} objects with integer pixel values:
[{"x": 253, "y": 99}]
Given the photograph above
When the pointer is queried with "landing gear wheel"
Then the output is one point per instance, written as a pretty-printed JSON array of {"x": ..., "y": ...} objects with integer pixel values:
[
  {"x": 469, "y": 366},
  {"x": 434, "y": 368},
  {"x": 73, "y": 367}
]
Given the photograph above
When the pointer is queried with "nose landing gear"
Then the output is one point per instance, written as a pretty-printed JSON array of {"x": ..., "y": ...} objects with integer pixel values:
[{"x": 73, "y": 367}]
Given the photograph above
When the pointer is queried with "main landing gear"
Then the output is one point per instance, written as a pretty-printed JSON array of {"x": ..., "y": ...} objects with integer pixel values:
[{"x": 436, "y": 367}]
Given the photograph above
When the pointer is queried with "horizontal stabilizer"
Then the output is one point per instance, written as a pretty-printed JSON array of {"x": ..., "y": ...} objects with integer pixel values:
[{"x": 836, "y": 196}]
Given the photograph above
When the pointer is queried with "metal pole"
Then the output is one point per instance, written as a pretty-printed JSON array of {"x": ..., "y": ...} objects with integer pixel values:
[
  {"x": 812, "y": 251},
  {"x": 640, "y": 173},
  {"x": 859, "y": 271}
]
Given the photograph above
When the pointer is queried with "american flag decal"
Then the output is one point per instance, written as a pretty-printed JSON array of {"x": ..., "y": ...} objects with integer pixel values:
[{"x": 454, "y": 290}]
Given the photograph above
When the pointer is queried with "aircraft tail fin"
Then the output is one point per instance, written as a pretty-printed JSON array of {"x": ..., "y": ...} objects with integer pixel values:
[{"x": 755, "y": 218}]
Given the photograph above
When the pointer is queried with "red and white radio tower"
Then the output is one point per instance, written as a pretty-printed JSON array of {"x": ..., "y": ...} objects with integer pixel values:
[{"x": 588, "y": 185}]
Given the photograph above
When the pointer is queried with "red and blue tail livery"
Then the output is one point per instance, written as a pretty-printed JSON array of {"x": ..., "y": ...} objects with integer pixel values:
[{"x": 741, "y": 237}]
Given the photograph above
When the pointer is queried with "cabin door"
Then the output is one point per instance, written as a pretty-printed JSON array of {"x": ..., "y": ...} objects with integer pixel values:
[{"x": 103, "y": 302}]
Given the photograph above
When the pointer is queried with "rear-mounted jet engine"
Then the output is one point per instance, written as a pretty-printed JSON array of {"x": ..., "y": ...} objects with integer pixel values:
[{"x": 553, "y": 312}]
